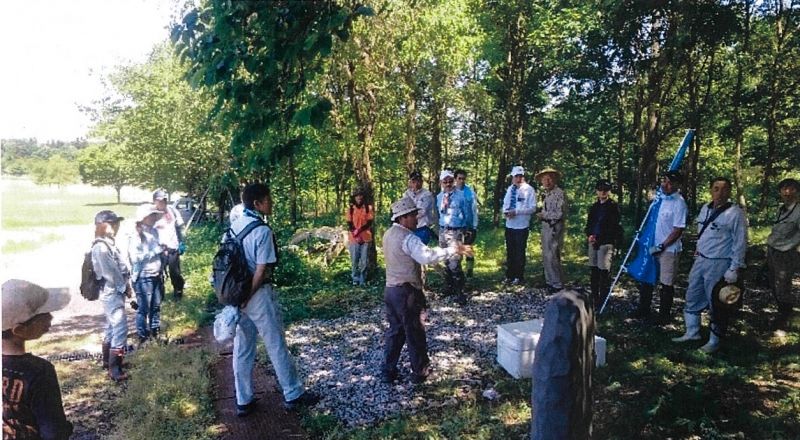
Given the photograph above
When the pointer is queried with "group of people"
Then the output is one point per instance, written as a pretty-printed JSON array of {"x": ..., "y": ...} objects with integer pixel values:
[
  {"x": 136, "y": 265},
  {"x": 158, "y": 241}
]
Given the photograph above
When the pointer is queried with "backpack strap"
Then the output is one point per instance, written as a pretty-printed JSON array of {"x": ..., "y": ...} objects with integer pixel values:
[
  {"x": 247, "y": 229},
  {"x": 713, "y": 216}
]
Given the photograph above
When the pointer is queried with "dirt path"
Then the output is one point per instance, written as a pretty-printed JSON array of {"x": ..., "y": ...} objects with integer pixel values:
[{"x": 269, "y": 421}]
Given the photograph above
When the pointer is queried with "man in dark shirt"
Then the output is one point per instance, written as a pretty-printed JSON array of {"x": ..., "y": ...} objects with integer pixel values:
[
  {"x": 603, "y": 232},
  {"x": 32, "y": 407}
]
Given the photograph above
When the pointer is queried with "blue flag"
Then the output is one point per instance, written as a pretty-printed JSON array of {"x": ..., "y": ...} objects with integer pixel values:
[{"x": 644, "y": 268}]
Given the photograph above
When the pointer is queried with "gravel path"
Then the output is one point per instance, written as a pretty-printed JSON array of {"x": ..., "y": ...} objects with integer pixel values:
[{"x": 341, "y": 358}]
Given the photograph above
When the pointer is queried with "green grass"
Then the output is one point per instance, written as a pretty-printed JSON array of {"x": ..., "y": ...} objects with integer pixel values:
[
  {"x": 13, "y": 246},
  {"x": 25, "y": 205}
]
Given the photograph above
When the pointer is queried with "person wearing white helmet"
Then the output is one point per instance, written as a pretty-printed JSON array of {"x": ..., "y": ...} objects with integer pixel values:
[{"x": 145, "y": 254}]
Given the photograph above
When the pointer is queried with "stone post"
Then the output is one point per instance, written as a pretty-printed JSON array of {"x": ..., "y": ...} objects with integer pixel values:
[{"x": 561, "y": 399}]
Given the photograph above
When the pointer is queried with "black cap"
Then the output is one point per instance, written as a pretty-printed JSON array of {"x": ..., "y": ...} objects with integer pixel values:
[
  {"x": 415, "y": 175},
  {"x": 603, "y": 185},
  {"x": 673, "y": 176},
  {"x": 789, "y": 182},
  {"x": 107, "y": 216}
]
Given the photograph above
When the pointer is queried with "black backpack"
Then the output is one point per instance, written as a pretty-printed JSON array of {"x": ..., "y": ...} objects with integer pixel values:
[
  {"x": 90, "y": 285},
  {"x": 231, "y": 275}
]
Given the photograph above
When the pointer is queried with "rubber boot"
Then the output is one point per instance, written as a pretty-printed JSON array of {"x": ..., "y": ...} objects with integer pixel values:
[
  {"x": 692, "y": 328},
  {"x": 470, "y": 266},
  {"x": 645, "y": 298},
  {"x": 713, "y": 342},
  {"x": 604, "y": 284},
  {"x": 594, "y": 284},
  {"x": 458, "y": 290},
  {"x": 781, "y": 322},
  {"x": 666, "y": 294},
  {"x": 106, "y": 348},
  {"x": 115, "y": 365}
]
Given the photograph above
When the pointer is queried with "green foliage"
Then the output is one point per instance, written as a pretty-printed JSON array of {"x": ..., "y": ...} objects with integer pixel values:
[
  {"x": 105, "y": 165},
  {"x": 56, "y": 170}
]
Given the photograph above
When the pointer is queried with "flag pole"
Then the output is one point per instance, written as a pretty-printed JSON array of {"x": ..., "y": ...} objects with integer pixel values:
[{"x": 673, "y": 166}]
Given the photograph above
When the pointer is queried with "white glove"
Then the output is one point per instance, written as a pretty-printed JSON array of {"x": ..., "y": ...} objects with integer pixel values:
[{"x": 731, "y": 276}]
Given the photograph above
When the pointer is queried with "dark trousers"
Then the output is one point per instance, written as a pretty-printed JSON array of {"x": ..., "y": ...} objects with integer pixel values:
[
  {"x": 516, "y": 244},
  {"x": 174, "y": 268},
  {"x": 403, "y": 307}
]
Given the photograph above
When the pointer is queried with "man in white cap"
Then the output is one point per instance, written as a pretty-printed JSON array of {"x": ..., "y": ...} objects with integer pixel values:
[
  {"x": 405, "y": 302},
  {"x": 553, "y": 216},
  {"x": 519, "y": 205},
  {"x": 455, "y": 216},
  {"x": 32, "y": 406}
]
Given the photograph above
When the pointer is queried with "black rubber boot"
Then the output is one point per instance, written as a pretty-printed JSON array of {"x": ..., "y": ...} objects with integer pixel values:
[
  {"x": 781, "y": 322},
  {"x": 115, "y": 365},
  {"x": 604, "y": 284},
  {"x": 645, "y": 298},
  {"x": 594, "y": 284},
  {"x": 106, "y": 348},
  {"x": 665, "y": 309}
]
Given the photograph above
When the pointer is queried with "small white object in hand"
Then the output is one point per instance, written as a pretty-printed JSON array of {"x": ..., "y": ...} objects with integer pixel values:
[{"x": 225, "y": 324}]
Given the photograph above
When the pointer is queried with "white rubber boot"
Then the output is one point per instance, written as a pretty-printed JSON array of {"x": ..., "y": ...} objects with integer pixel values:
[
  {"x": 712, "y": 345},
  {"x": 692, "y": 328}
]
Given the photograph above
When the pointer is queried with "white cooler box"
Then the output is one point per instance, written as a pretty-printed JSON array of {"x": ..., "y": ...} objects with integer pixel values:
[{"x": 516, "y": 343}]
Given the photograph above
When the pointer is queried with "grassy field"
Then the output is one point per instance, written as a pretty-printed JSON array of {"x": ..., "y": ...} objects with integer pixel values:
[{"x": 26, "y": 205}]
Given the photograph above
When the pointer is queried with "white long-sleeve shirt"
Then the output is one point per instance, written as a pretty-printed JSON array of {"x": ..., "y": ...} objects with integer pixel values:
[
  {"x": 424, "y": 200},
  {"x": 525, "y": 206},
  {"x": 725, "y": 237},
  {"x": 422, "y": 254}
]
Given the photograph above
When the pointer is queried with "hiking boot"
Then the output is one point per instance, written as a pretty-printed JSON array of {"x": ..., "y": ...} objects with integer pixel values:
[
  {"x": 306, "y": 400},
  {"x": 246, "y": 410}
]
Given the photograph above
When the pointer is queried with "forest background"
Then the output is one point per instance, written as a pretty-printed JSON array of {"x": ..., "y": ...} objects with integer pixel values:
[{"x": 318, "y": 98}]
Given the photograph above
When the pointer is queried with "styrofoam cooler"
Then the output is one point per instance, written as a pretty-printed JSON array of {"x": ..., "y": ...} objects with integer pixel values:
[{"x": 516, "y": 345}]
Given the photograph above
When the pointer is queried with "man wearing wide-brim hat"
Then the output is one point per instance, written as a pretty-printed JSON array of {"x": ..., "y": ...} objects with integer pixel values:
[
  {"x": 406, "y": 305},
  {"x": 553, "y": 215}
]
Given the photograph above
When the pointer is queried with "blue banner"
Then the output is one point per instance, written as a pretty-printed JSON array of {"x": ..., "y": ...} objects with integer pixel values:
[{"x": 644, "y": 268}]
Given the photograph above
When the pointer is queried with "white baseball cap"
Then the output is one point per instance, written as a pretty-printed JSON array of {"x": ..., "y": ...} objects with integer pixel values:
[
  {"x": 22, "y": 300},
  {"x": 144, "y": 210},
  {"x": 445, "y": 174},
  {"x": 517, "y": 171}
]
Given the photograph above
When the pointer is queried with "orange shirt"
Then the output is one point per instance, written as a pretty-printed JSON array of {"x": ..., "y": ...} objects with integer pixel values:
[{"x": 359, "y": 217}]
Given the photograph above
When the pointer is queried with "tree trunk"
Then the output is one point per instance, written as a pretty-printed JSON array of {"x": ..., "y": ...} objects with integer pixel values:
[
  {"x": 119, "y": 191},
  {"x": 620, "y": 144}
]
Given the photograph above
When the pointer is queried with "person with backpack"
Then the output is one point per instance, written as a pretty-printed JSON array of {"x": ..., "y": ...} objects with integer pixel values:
[
  {"x": 115, "y": 278},
  {"x": 261, "y": 312},
  {"x": 171, "y": 238},
  {"x": 146, "y": 254},
  {"x": 721, "y": 246},
  {"x": 359, "y": 222}
]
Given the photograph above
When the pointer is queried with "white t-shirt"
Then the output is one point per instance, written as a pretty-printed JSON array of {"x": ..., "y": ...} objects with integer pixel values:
[
  {"x": 671, "y": 214},
  {"x": 167, "y": 235}
]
